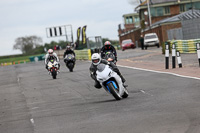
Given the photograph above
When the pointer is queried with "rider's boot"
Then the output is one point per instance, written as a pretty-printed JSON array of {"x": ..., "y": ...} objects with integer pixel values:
[
  {"x": 97, "y": 84},
  {"x": 123, "y": 80}
]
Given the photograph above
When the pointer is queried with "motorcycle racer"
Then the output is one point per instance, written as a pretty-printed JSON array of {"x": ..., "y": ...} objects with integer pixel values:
[
  {"x": 108, "y": 48},
  {"x": 96, "y": 60},
  {"x": 51, "y": 56}
]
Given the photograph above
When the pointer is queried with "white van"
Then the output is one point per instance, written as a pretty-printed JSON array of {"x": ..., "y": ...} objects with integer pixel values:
[{"x": 151, "y": 39}]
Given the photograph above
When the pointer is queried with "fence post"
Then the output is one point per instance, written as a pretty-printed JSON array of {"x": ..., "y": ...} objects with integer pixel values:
[
  {"x": 166, "y": 56},
  {"x": 173, "y": 56},
  {"x": 198, "y": 52},
  {"x": 179, "y": 59}
]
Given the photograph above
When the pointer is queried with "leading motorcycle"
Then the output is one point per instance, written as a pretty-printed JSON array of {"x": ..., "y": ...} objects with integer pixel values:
[
  {"x": 53, "y": 68},
  {"x": 111, "y": 82},
  {"x": 70, "y": 61}
]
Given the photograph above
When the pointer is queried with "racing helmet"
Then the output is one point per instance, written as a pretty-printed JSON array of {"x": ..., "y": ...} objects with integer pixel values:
[
  {"x": 68, "y": 47},
  {"x": 50, "y": 52},
  {"x": 96, "y": 58},
  {"x": 107, "y": 43}
]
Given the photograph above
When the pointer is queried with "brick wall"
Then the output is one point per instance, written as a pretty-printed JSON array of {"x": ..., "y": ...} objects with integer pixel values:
[
  {"x": 134, "y": 36},
  {"x": 161, "y": 31}
]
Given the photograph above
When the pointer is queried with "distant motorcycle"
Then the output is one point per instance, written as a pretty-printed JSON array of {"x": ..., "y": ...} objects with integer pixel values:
[
  {"x": 111, "y": 82},
  {"x": 110, "y": 57},
  {"x": 70, "y": 61},
  {"x": 53, "y": 68}
]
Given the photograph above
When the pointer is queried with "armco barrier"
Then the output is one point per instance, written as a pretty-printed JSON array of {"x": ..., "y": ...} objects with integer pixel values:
[
  {"x": 36, "y": 58},
  {"x": 185, "y": 46}
]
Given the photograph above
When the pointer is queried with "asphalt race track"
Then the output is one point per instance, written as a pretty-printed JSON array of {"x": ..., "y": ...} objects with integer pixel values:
[{"x": 32, "y": 102}]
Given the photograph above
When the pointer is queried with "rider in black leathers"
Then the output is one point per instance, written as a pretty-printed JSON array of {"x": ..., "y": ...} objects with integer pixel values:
[
  {"x": 68, "y": 51},
  {"x": 96, "y": 59},
  {"x": 108, "y": 48}
]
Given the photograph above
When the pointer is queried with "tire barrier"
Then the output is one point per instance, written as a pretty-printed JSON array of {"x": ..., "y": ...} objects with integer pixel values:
[
  {"x": 83, "y": 54},
  {"x": 96, "y": 50},
  {"x": 185, "y": 46}
]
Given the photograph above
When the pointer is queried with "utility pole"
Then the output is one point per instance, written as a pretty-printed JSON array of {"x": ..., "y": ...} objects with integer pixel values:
[{"x": 149, "y": 12}]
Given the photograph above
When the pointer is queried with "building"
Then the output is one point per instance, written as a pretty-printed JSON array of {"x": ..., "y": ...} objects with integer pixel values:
[
  {"x": 161, "y": 18},
  {"x": 131, "y": 21}
]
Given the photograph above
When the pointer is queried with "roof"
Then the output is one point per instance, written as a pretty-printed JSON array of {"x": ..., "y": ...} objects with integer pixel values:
[
  {"x": 158, "y": 3},
  {"x": 131, "y": 14},
  {"x": 191, "y": 14},
  {"x": 161, "y": 1}
]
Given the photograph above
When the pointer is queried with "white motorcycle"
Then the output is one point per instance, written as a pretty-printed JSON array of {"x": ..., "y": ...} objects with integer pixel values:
[
  {"x": 111, "y": 82},
  {"x": 53, "y": 68}
]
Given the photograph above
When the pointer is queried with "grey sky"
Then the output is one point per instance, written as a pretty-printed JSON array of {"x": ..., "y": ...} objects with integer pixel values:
[{"x": 21, "y": 18}]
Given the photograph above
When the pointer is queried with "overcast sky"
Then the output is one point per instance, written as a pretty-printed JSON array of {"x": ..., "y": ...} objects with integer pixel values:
[{"x": 20, "y": 18}]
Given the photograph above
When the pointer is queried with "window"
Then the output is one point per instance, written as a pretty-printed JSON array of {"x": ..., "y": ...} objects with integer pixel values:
[
  {"x": 129, "y": 20},
  {"x": 167, "y": 10},
  {"x": 160, "y": 11},
  {"x": 182, "y": 8},
  {"x": 196, "y": 5},
  {"x": 137, "y": 19},
  {"x": 188, "y": 6}
]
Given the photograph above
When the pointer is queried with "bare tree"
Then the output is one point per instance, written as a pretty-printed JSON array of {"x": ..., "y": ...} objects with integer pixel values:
[{"x": 27, "y": 44}]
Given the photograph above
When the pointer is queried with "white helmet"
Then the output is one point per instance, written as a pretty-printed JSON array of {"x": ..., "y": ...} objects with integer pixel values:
[{"x": 96, "y": 58}]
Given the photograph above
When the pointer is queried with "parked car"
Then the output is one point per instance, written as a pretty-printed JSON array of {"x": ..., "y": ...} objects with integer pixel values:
[
  {"x": 126, "y": 44},
  {"x": 151, "y": 39}
]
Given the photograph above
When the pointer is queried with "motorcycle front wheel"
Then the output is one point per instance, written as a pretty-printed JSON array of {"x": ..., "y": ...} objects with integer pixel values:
[
  {"x": 114, "y": 91},
  {"x": 54, "y": 73}
]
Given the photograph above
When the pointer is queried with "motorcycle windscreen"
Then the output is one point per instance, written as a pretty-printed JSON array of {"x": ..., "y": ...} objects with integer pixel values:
[{"x": 101, "y": 67}]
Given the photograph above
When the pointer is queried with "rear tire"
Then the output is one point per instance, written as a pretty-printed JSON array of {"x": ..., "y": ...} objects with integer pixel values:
[{"x": 114, "y": 92}]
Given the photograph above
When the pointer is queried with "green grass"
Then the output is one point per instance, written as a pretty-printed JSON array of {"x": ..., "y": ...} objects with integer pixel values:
[{"x": 22, "y": 58}]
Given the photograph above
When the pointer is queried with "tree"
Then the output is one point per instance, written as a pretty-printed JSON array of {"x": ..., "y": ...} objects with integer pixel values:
[{"x": 27, "y": 44}]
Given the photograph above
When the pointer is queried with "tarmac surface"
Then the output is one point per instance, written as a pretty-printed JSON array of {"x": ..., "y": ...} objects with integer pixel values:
[
  {"x": 32, "y": 102},
  {"x": 153, "y": 59}
]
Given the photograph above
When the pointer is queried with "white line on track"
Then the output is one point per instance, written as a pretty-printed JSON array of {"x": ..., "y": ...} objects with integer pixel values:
[
  {"x": 159, "y": 72},
  {"x": 34, "y": 108},
  {"x": 32, "y": 121}
]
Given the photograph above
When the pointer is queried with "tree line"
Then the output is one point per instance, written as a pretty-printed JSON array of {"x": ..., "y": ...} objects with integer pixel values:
[{"x": 30, "y": 45}]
